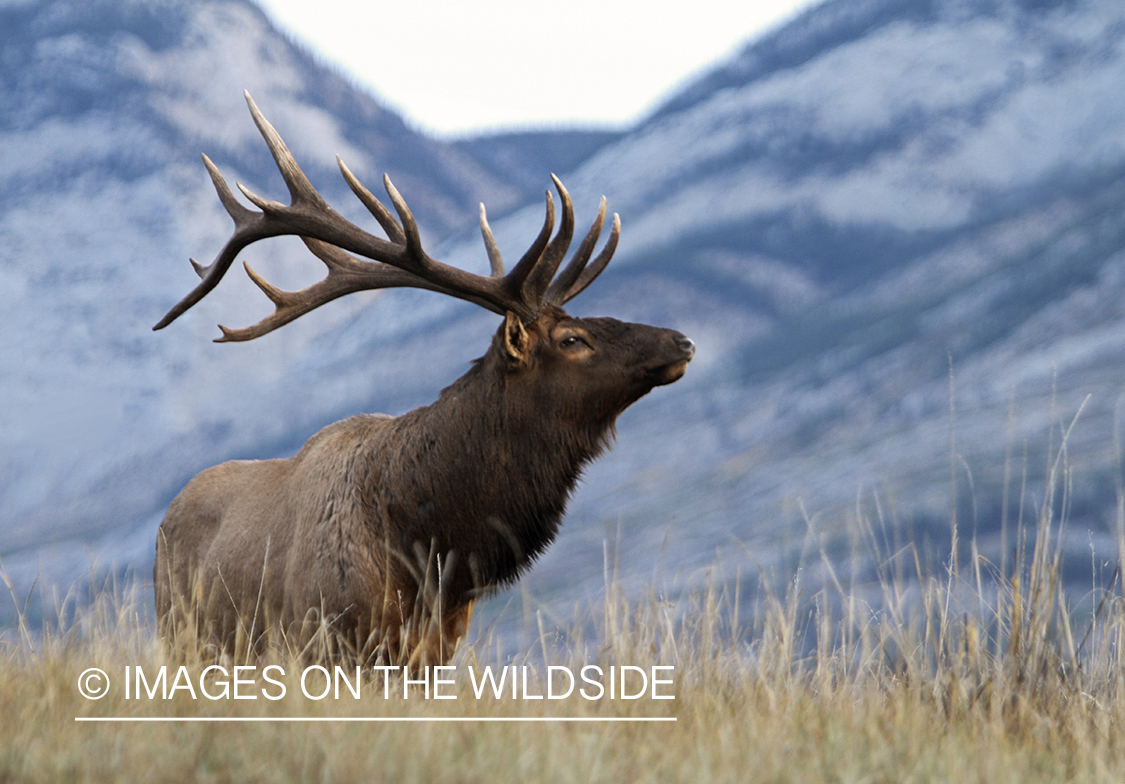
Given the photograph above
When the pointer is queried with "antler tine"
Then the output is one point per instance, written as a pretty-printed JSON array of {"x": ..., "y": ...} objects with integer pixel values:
[
  {"x": 592, "y": 270},
  {"x": 514, "y": 280},
  {"x": 540, "y": 277},
  {"x": 495, "y": 260},
  {"x": 373, "y": 205},
  {"x": 246, "y": 223},
  {"x": 561, "y": 285},
  {"x": 289, "y": 304},
  {"x": 300, "y": 189},
  {"x": 239, "y": 214},
  {"x": 415, "y": 258}
]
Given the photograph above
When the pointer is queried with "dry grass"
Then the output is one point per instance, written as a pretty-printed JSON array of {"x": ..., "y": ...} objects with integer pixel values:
[
  {"x": 823, "y": 689},
  {"x": 970, "y": 673}
]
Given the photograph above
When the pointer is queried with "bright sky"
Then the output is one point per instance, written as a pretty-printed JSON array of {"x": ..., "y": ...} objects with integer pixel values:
[{"x": 453, "y": 66}]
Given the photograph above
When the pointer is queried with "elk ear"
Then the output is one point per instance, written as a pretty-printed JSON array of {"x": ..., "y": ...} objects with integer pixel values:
[{"x": 517, "y": 343}]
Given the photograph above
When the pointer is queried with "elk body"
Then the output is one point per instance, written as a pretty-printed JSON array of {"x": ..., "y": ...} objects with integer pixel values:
[{"x": 386, "y": 529}]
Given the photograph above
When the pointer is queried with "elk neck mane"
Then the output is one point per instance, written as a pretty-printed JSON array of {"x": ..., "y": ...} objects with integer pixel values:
[{"x": 484, "y": 474}]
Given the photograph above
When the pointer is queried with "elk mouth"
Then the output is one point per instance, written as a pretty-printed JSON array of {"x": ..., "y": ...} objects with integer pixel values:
[
  {"x": 666, "y": 374},
  {"x": 673, "y": 371}
]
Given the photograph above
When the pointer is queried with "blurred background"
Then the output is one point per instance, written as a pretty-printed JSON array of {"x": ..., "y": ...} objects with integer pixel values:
[{"x": 894, "y": 228}]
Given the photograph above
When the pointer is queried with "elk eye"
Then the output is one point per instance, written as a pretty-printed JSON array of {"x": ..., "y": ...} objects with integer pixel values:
[{"x": 572, "y": 341}]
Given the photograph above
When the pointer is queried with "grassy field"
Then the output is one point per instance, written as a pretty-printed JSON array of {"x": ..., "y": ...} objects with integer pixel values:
[
  {"x": 970, "y": 671},
  {"x": 941, "y": 679}
]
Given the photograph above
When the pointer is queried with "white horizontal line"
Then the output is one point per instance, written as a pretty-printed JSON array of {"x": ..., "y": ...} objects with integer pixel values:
[{"x": 373, "y": 718}]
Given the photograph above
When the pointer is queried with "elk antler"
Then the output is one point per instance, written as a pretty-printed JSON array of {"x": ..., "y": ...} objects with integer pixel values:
[{"x": 396, "y": 261}]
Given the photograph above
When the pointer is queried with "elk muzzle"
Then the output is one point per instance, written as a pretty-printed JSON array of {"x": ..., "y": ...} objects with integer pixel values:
[{"x": 674, "y": 370}]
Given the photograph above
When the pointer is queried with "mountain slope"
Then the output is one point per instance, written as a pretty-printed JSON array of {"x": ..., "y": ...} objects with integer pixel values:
[
  {"x": 897, "y": 233},
  {"x": 104, "y": 110},
  {"x": 522, "y": 156},
  {"x": 894, "y": 229}
]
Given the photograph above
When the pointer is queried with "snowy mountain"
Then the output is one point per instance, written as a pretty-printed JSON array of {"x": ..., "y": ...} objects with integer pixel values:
[
  {"x": 896, "y": 231},
  {"x": 522, "y": 156},
  {"x": 105, "y": 108}
]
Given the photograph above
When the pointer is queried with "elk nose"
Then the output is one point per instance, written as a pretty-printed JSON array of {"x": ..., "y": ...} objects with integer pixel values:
[{"x": 687, "y": 344}]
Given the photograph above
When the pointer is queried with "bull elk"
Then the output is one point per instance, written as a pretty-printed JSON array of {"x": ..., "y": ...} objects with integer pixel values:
[{"x": 387, "y": 529}]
